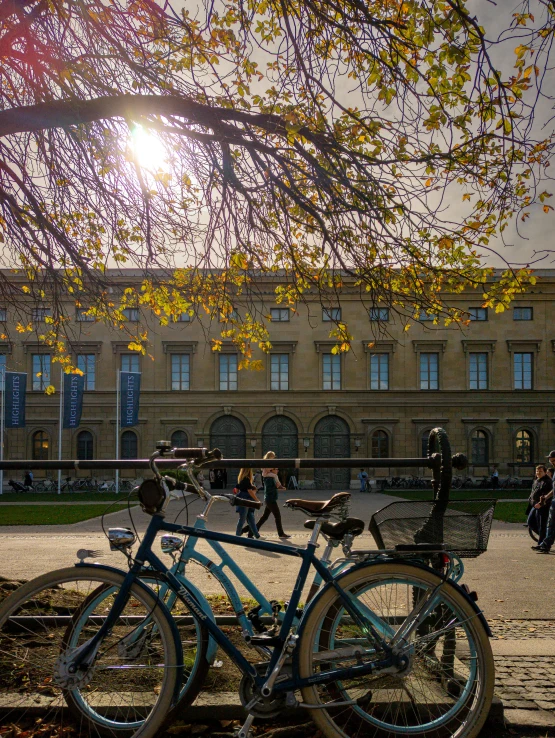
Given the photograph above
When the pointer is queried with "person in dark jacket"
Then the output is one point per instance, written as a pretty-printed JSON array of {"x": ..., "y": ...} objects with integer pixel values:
[
  {"x": 246, "y": 490},
  {"x": 541, "y": 488}
]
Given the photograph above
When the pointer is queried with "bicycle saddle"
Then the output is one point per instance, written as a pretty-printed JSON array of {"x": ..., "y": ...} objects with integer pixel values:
[
  {"x": 354, "y": 526},
  {"x": 319, "y": 507}
]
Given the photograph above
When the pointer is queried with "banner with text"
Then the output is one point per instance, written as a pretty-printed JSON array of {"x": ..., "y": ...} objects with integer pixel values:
[
  {"x": 130, "y": 390},
  {"x": 74, "y": 389},
  {"x": 14, "y": 399}
]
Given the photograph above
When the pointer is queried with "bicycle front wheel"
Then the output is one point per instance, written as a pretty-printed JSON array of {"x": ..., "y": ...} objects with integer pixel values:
[
  {"x": 445, "y": 690},
  {"x": 129, "y": 686}
]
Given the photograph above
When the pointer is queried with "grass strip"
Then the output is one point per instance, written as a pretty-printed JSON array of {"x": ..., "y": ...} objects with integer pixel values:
[
  {"x": 52, "y": 514},
  {"x": 510, "y": 512},
  {"x": 63, "y": 497}
]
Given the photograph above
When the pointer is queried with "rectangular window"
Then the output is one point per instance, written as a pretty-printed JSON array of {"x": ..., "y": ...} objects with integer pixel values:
[
  {"x": 2, "y": 370},
  {"x": 130, "y": 363},
  {"x": 331, "y": 371},
  {"x": 41, "y": 371},
  {"x": 87, "y": 364},
  {"x": 232, "y": 315},
  {"x": 184, "y": 318},
  {"x": 279, "y": 379},
  {"x": 82, "y": 316},
  {"x": 131, "y": 315},
  {"x": 3, "y": 315},
  {"x": 38, "y": 314},
  {"x": 478, "y": 371},
  {"x": 379, "y": 314},
  {"x": 523, "y": 370},
  {"x": 228, "y": 371},
  {"x": 429, "y": 371},
  {"x": 181, "y": 371},
  {"x": 379, "y": 371},
  {"x": 478, "y": 313},
  {"x": 427, "y": 316},
  {"x": 279, "y": 315},
  {"x": 522, "y": 313},
  {"x": 329, "y": 314}
]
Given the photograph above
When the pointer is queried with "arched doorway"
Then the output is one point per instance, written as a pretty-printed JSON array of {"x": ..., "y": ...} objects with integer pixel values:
[
  {"x": 228, "y": 434},
  {"x": 280, "y": 435},
  {"x": 332, "y": 440}
]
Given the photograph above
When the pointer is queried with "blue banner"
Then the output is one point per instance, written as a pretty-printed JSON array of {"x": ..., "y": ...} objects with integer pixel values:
[
  {"x": 130, "y": 390},
  {"x": 74, "y": 388},
  {"x": 14, "y": 399}
]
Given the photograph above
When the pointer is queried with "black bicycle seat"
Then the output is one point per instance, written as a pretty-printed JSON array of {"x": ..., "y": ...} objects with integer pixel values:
[{"x": 354, "y": 526}]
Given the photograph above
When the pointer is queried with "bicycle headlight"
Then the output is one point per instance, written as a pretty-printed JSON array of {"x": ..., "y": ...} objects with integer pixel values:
[
  {"x": 170, "y": 543},
  {"x": 121, "y": 538}
]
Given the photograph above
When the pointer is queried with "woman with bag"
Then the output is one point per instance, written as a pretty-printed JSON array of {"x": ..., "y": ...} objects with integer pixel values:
[{"x": 246, "y": 490}]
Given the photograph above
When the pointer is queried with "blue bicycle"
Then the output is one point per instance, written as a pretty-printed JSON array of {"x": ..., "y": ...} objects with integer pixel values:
[{"x": 387, "y": 647}]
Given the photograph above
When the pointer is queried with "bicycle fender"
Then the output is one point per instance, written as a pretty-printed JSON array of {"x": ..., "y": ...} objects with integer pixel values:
[{"x": 167, "y": 613}]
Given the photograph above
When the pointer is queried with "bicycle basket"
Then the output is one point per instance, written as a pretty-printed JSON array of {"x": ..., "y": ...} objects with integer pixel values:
[{"x": 462, "y": 525}]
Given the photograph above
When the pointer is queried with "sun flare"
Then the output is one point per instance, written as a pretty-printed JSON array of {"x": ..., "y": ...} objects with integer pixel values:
[{"x": 147, "y": 149}]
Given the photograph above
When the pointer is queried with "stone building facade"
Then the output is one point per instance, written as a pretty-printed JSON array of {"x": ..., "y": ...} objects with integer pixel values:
[{"x": 490, "y": 385}]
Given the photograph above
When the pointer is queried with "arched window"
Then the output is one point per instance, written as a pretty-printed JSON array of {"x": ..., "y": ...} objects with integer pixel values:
[
  {"x": 380, "y": 445},
  {"x": 85, "y": 445},
  {"x": 40, "y": 446},
  {"x": 524, "y": 447},
  {"x": 128, "y": 445},
  {"x": 179, "y": 439},
  {"x": 479, "y": 447}
]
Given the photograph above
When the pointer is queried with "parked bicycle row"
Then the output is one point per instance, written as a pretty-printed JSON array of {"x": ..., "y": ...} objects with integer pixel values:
[
  {"x": 459, "y": 482},
  {"x": 71, "y": 485}
]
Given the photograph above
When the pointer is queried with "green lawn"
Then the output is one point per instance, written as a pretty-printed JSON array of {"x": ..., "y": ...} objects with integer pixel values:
[
  {"x": 51, "y": 514},
  {"x": 461, "y": 494},
  {"x": 510, "y": 512},
  {"x": 63, "y": 497}
]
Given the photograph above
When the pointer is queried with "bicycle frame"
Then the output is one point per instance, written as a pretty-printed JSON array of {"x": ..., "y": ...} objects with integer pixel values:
[{"x": 376, "y": 627}]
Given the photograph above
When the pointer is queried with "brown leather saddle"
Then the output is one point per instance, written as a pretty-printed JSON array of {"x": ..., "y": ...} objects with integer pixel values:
[{"x": 319, "y": 507}]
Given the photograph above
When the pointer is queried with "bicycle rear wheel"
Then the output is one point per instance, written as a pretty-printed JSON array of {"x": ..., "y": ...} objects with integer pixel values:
[
  {"x": 127, "y": 690},
  {"x": 445, "y": 691}
]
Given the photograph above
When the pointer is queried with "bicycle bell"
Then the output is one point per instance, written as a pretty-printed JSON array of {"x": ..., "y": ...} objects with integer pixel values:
[{"x": 120, "y": 538}]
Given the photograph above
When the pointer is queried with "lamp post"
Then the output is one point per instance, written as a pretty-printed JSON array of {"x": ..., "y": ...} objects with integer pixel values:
[
  {"x": 306, "y": 444},
  {"x": 200, "y": 442},
  {"x": 357, "y": 444},
  {"x": 253, "y": 446}
]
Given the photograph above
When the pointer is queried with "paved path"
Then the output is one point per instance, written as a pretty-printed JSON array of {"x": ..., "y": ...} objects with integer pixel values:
[{"x": 516, "y": 586}]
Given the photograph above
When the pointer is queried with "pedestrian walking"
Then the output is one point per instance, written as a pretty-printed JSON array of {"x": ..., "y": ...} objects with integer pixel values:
[
  {"x": 542, "y": 488},
  {"x": 545, "y": 543},
  {"x": 246, "y": 490},
  {"x": 362, "y": 476},
  {"x": 271, "y": 486}
]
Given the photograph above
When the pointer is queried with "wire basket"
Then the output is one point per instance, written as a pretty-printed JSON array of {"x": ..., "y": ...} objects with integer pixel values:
[{"x": 463, "y": 526}]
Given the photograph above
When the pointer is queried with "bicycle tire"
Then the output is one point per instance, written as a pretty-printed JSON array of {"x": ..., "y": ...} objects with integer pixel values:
[
  {"x": 440, "y": 695},
  {"x": 533, "y": 535},
  {"x": 195, "y": 660},
  {"x": 129, "y": 698}
]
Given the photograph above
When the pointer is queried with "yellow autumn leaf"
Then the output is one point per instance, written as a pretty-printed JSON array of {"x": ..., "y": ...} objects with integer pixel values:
[
  {"x": 50, "y": 390},
  {"x": 428, "y": 182}
]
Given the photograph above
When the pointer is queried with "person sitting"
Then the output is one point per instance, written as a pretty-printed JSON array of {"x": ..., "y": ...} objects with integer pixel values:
[{"x": 246, "y": 490}]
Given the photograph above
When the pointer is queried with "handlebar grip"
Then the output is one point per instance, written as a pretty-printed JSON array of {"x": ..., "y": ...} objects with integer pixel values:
[
  {"x": 189, "y": 453},
  {"x": 214, "y": 455},
  {"x": 184, "y": 487},
  {"x": 244, "y": 502}
]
